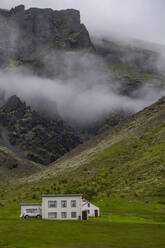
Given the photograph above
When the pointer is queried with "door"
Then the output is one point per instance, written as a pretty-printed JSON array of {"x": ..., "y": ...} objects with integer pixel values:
[
  {"x": 84, "y": 215},
  {"x": 96, "y": 213}
]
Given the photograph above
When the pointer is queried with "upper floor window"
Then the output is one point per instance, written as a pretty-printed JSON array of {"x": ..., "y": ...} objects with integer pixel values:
[
  {"x": 73, "y": 203},
  {"x": 88, "y": 205},
  {"x": 52, "y": 204},
  {"x": 64, "y": 204}
]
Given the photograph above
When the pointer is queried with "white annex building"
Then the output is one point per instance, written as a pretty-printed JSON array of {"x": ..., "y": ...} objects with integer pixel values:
[
  {"x": 92, "y": 210},
  {"x": 61, "y": 207}
]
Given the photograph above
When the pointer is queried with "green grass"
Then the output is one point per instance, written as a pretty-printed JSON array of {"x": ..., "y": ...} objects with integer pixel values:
[
  {"x": 124, "y": 223},
  {"x": 110, "y": 230},
  {"x": 114, "y": 218},
  {"x": 42, "y": 233}
]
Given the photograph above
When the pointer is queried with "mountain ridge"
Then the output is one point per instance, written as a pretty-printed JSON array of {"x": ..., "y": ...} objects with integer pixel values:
[{"x": 28, "y": 33}]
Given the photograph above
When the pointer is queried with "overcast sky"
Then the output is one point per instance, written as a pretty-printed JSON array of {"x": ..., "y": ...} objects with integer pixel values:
[{"x": 143, "y": 19}]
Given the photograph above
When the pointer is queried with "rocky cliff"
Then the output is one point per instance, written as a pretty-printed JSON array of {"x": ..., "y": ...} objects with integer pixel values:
[
  {"x": 27, "y": 34},
  {"x": 33, "y": 136}
]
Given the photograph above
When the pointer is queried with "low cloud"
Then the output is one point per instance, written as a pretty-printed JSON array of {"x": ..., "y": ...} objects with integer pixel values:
[{"x": 82, "y": 90}]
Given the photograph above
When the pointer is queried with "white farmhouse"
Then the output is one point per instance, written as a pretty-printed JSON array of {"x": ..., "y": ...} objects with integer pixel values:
[
  {"x": 92, "y": 210},
  {"x": 61, "y": 207}
]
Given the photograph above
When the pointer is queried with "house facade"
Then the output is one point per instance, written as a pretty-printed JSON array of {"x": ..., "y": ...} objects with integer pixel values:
[
  {"x": 65, "y": 207},
  {"x": 60, "y": 207}
]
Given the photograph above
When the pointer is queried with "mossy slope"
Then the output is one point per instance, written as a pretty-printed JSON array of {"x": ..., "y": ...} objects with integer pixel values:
[{"x": 125, "y": 161}]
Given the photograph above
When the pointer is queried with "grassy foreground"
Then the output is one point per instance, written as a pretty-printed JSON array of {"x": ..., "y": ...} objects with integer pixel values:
[
  {"x": 129, "y": 224},
  {"x": 41, "y": 233}
]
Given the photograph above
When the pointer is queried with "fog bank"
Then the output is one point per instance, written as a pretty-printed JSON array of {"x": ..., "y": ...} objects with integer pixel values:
[{"x": 82, "y": 91}]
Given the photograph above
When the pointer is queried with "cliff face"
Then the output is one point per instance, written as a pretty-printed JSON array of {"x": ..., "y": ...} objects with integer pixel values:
[
  {"x": 27, "y": 33},
  {"x": 32, "y": 135}
]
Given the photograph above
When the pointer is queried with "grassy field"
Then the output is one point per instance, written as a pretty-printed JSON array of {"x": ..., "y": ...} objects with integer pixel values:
[
  {"x": 41, "y": 233},
  {"x": 129, "y": 224}
]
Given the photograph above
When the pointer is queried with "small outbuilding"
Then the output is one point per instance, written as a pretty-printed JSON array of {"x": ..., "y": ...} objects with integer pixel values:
[{"x": 92, "y": 210}]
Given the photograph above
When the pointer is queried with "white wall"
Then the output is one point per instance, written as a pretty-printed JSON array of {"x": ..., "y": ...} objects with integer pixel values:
[{"x": 59, "y": 209}]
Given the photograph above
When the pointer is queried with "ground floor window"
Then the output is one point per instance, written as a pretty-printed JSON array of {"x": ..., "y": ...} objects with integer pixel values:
[
  {"x": 88, "y": 211},
  {"x": 73, "y": 215},
  {"x": 63, "y": 215},
  {"x": 52, "y": 215}
]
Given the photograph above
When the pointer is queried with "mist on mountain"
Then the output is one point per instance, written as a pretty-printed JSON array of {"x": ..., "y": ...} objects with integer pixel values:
[
  {"x": 76, "y": 84},
  {"x": 81, "y": 91}
]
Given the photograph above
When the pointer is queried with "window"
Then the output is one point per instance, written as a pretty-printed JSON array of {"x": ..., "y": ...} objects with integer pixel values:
[
  {"x": 73, "y": 214},
  {"x": 88, "y": 205},
  {"x": 73, "y": 203},
  {"x": 63, "y": 215},
  {"x": 63, "y": 204},
  {"x": 88, "y": 211},
  {"x": 52, "y": 215},
  {"x": 31, "y": 211},
  {"x": 52, "y": 204}
]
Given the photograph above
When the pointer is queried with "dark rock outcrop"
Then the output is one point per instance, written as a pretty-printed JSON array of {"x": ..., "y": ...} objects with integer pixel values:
[
  {"x": 27, "y": 34},
  {"x": 39, "y": 138}
]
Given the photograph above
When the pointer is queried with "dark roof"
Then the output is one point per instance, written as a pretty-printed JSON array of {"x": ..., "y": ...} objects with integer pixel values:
[
  {"x": 31, "y": 204},
  {"x": 62, "y": 195}
]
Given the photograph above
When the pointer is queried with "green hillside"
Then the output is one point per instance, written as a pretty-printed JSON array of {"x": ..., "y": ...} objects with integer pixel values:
[{"x": 126, "y": 161}]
